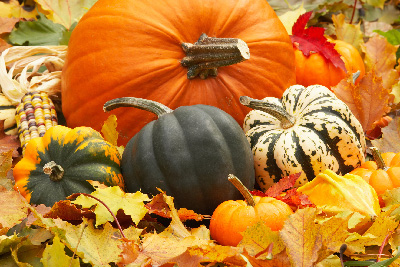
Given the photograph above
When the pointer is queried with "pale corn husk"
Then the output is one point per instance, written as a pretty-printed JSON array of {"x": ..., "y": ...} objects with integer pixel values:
[
  {"x": 334, "y": 194},
  {"x": 23, "y": 76}
]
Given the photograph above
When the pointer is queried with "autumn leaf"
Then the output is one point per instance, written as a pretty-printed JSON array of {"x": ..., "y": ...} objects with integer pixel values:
[
  {"x": 66, "y": 211},
  {"x": 7, "y": 24},
  {"x": 65, "y": 13},
  {"x": 54, "y": 255},
  {"x": 368, "y": 100},
  {"x": 5, "y": 167},
  {"x": 109, "y": 130},
  {"x": 258, "y": 237},
  {"x": 389, "y": 142},
  {"x": 312, "y": 40},
  {"x": 350, "y": 33},
  {"x": 8, "y": 142},
  {"x": 283, "y": 184},
  {"x": 7, "y": 242},
  {"x": 289, "y": 18},
  {"x": 380, "y": 55},
  {"x": 301, "y": 237},
  {"x": 13, "y": 207},
  {"x": 131, "y": 203},
  {"x": 13, "y": 9}
]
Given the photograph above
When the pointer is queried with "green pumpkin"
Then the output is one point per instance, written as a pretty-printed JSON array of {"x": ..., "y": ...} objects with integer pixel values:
[
  {"x": 308, "y": 130},
  {"x": 60, "y": 163},
  {"x": 188, "y": 153}
]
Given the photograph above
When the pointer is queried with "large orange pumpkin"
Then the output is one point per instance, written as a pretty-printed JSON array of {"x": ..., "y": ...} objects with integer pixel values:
[
  {"x": 315, "y": 69},
  {"x": 134, "y": 48}
]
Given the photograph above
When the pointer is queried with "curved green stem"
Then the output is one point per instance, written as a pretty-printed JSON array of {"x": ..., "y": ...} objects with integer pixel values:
[
  {"x": 55, "y": 171},
  {"x": 278, "y": 112},
  {"x": 140, "y": 103},
  {"x": 205, "y": 56}
]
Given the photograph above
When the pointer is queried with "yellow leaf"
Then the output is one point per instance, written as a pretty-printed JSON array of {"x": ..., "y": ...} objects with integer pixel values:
[
  {"x": 63, "y": 12},
  {"x": 290, "y": 17},
  {"x": 131, "y": 203},
  {"x": 12, "y": 9},
  {"x": 54, "y": 255},
  {"x": 258, "y": 237},
  {"x": 109, "y": 130},
  {"x": 13, "y": 207},
  {"x": 350, "y": 33}
]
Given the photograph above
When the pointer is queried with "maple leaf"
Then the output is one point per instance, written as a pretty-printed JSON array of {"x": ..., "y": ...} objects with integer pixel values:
[
  {"x": 7, "y": 24},
  {"x": 109, "y": 130},
  {"x": 283, "y": 184},
  {"x": 12, "y": 9},
  {"x": 368, "y": 100},
  {"x": 312, "y": 40},
  {"x": 54, "y": 255},
  {"x": 66, "y": 211},
  {"x": 8, "y": 142},
  {"x": 380, "y": 55},
  {"x": 5, "y": 167},
  {"x": 350, "y": 33},
  {"x": 389, "y": 142},
  {"x": 65, "y": 13},
  {"x": 13, "y": 207},
  {"x": 301, "y": 237},
  {"x": 131, "y": 203},
  {"x": 257, "y": 238}
]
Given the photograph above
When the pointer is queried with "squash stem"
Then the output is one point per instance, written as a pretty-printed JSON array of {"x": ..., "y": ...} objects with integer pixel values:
[
  {"x": 278, "y": 112},
  {"x": 378, "y": 158},
  {"x": 242, "y": 189},
  {"x": 140, "y": 103},
  {"x": 205, "y": 56},
  {"x": 55, "y": 171}
]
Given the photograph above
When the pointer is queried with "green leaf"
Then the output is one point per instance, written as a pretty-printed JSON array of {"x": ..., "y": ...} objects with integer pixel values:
[
  {"x": 54, "y": 255},
  {"x": 39, "y": 32},
  {"x": 393, "y": 36}
]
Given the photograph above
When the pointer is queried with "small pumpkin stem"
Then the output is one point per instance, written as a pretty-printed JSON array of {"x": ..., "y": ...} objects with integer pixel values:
[
  {"x": 140, "y": 103},
  {"x": 355, "y": 76},
  {"x": 209, "y": 53},
  {"x": 378, "y": 158},
  {"x": 278, "y": 112},
  {"x": 55, "y": 171},
  {"x": 242, "y": 189}
]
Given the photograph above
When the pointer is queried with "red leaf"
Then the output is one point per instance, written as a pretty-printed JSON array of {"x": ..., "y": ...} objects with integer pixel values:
[
  {"x": 283, "y": 184},
  {"x": 312, "y": 40}
]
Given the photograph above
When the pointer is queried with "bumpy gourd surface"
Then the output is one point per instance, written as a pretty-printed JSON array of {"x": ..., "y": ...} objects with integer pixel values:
[{"x": 326, "y": 135}]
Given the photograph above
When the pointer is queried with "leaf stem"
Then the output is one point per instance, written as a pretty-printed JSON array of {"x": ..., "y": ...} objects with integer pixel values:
[
  {"x": 105, "y": 205},
  {"x": 354, "y": 11}
]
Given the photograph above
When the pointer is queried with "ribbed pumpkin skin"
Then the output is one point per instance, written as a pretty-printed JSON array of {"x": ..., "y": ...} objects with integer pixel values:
[
  {"x": 326, "y": 135},
  {"x": 315, "y": 69},
  {"x": 189, "y": 153},
  {"x": 133, "y": 48},
  {"x": 231, "y": 218},
  {"x": 81, "y": 152}
]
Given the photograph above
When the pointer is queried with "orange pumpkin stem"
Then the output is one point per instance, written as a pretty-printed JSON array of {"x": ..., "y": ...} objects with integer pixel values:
[
  {"x": 278, "y": 112},
  {"x": 205, "y": 56},
  {"x": 140, "y": 103},
  {"x": 378, "y": 159},
  {"x": 242, "y": 189},
  {"x": 55, "y": 171}
]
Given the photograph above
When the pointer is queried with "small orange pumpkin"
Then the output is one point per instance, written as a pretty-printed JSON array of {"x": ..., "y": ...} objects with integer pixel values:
[
  {"x": 383, "y": 173},
  {"x": 315, "y": 69},
  {"x": 231, "y": 218}
]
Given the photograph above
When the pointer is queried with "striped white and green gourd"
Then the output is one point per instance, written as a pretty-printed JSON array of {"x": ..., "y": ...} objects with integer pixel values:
[
  {"x": 7, "y": 113},
  {"x": 308, "y": 130}
]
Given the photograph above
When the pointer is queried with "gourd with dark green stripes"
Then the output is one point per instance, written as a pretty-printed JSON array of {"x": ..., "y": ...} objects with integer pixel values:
[
  {"x": 308, "y": 130},
  {"x": 7, "y": 113}
]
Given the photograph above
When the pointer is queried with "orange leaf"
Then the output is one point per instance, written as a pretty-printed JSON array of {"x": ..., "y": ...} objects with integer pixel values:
[{"x": 369, "y": 100}]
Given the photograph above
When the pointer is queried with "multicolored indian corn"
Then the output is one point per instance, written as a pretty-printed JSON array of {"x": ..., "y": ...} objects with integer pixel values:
[{"x": 34, "y": 116}]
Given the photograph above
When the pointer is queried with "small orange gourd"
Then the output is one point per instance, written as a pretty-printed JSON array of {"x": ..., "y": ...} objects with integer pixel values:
[
  {"x": 231, "y": 218},
  {"x": 383, "y": 173},
  {"x": 315, "y": 69}
]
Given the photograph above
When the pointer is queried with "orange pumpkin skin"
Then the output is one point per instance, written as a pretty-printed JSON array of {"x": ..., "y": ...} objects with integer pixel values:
[
  {"x": 381, "y": 180},
  {"x": 133, "y": 48},
  {"x": 231, "y": 218},
  {"x": 315, "y": 69}
]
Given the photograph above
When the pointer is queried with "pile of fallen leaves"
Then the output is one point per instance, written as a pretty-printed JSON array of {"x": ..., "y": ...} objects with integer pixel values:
[{"x": 110, "y": 227}]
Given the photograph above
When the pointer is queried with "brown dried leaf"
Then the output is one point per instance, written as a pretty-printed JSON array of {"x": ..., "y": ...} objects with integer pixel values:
[
  {"x": 301, "y": 237},
  {"x": 368, "y": 100},
  {"x": 380, "y": 55},
  {"x": 389, "y": 142}
]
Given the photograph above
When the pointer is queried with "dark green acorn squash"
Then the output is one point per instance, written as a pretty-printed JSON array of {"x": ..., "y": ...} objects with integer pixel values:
[{"x": 188, "y": 153}]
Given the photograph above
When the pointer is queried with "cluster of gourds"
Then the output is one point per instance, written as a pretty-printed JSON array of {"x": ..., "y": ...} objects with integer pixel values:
[{"x": 188, "y": 138}]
